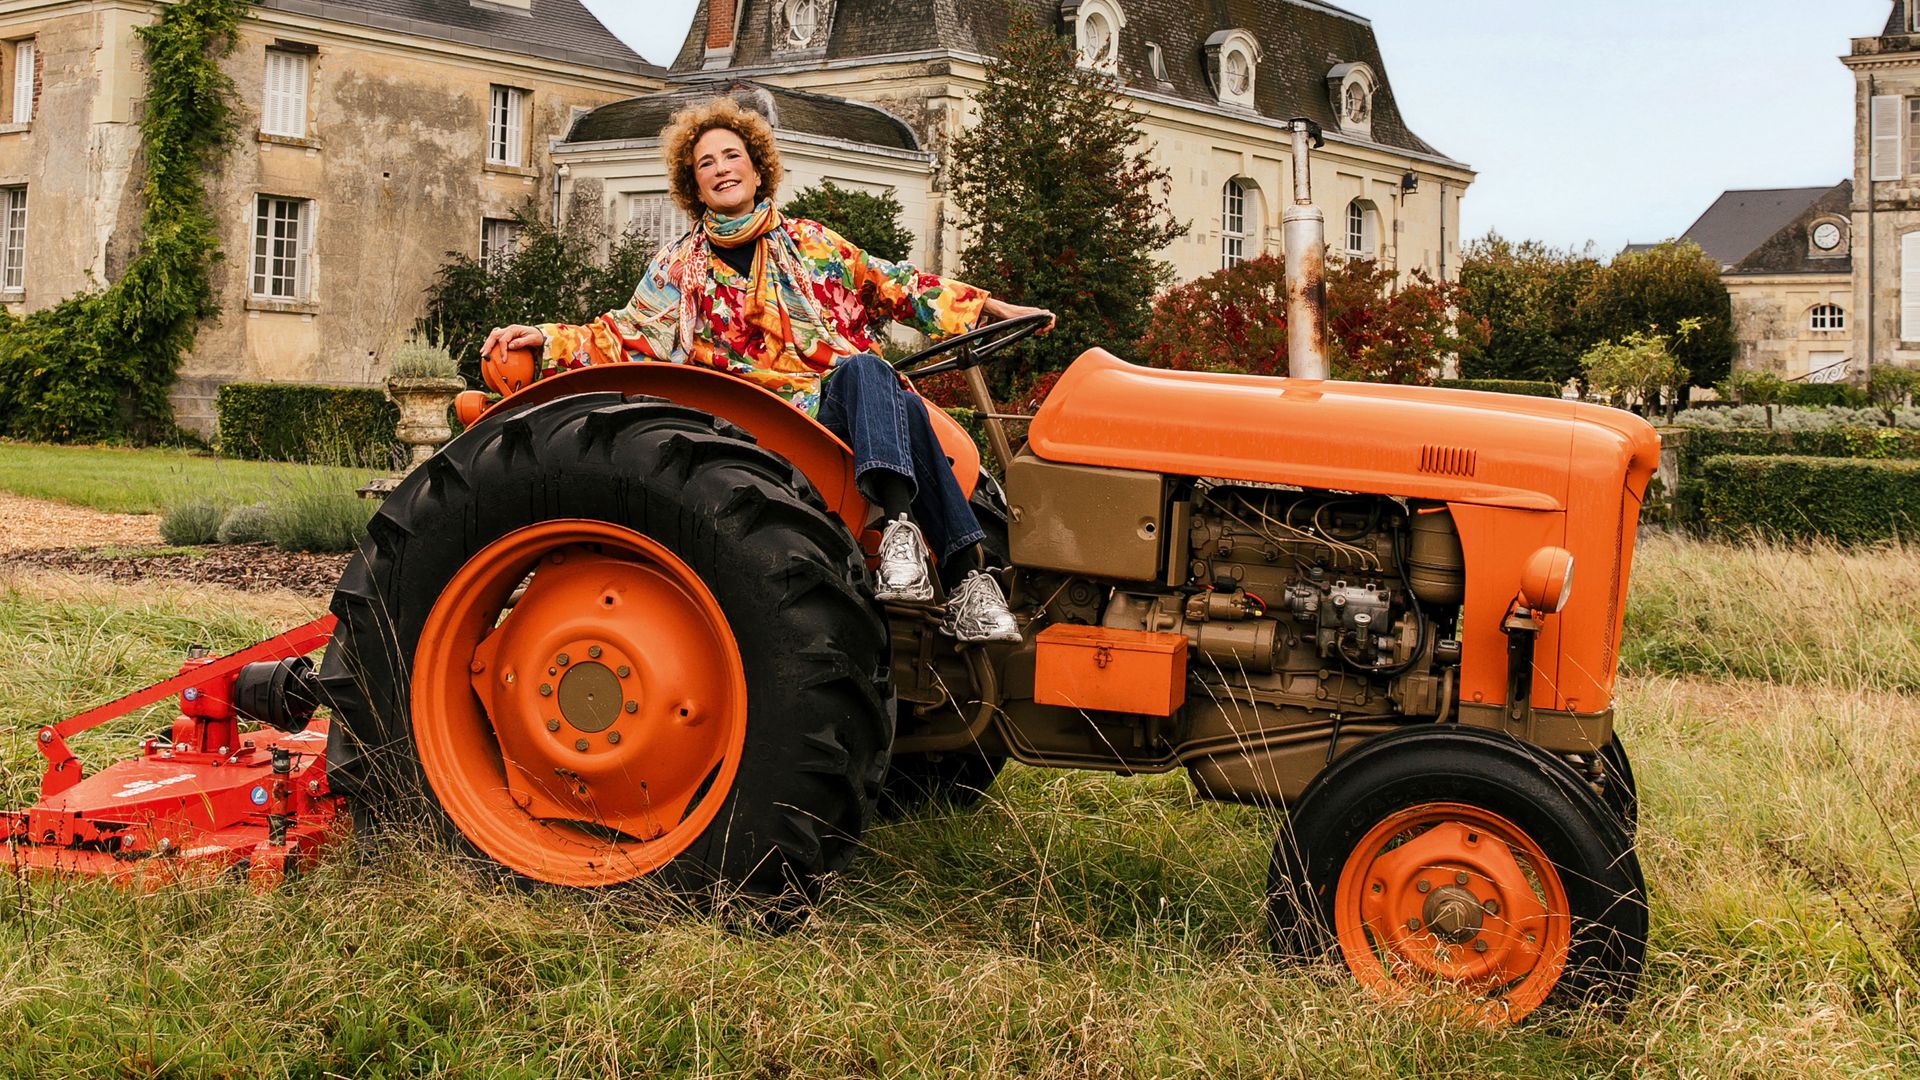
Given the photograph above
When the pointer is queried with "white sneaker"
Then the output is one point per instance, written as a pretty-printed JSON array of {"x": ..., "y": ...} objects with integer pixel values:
[
  {"x": 977, "y": 611},
  {"x": 904, "y": 573}
]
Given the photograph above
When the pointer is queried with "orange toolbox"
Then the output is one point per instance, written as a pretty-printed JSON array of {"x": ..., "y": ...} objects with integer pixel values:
[{"x": 1110, "y": 670}]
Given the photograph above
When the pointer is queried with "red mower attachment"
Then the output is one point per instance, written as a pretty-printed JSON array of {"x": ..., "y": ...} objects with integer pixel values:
[{"x": 206, "y": 798}]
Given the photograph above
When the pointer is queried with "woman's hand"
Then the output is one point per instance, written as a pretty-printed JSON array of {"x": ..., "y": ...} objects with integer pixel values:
[
  {"x": 513, "y": 337},
  {"x": 1001, "y": 311}
]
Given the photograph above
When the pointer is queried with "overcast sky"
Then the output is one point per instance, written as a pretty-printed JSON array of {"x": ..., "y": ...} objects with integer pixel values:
[{"x": 1611, "y": 122}]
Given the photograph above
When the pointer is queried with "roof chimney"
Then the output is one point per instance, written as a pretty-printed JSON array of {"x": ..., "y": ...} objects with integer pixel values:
[{"x": 723, "y": 23}]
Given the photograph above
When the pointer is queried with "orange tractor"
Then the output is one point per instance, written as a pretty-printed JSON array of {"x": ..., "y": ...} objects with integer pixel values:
[{"x": 621, "y": 630}]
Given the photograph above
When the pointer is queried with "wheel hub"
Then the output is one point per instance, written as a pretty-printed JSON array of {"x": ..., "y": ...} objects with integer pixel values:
[
  {"x": 591, "y": 697},
  {"x": 1454, "y": 914}
]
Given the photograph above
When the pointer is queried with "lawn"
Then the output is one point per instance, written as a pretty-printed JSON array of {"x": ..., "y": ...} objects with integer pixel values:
[
  {"x": 1074, "y": 925},
  {"x": 130, "y": 481}
]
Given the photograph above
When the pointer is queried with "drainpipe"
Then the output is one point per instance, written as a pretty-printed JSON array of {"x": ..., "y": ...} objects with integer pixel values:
[
  {"x": 1443, "y": 230},
  {"x": 1873, "y": 240},
  {"x": 1304, "y": 234}
]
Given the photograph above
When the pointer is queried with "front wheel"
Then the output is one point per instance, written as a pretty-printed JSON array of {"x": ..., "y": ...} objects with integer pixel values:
[
  {"x": 603, "y": 639},
  {"x": 1456, "y": 864}
]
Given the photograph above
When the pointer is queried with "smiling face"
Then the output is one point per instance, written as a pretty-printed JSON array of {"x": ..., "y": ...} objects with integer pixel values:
[{"x": 724, "y": 173}]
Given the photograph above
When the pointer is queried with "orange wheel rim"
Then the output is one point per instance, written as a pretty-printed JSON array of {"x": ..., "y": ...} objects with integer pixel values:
[
  {"x": 1453, "y": 900},
  {"x": 586, "y": 733}
]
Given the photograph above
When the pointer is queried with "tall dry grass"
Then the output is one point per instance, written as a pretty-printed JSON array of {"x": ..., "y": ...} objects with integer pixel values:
[{"x": 1074, "y": 925}]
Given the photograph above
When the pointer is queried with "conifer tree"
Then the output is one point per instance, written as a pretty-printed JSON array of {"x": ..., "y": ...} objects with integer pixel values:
[{"x": 1062, "y": 204}]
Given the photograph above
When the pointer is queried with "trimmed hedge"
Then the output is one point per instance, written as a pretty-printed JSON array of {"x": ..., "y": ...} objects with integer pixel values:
[
  {"x": 1849, "y": 501},
  {"x": 346, "y": 425},
  {"x": 1502, "y": 386},
  {"x": 1826, "y": 394},
  {"x": 1696, "y": 445}
]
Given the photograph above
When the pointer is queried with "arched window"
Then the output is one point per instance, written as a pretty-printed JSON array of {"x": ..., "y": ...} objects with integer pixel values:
[
  {"x": 1233, "y": 224},
  {"x": 1361, "y": 229},
  {"x": 1233, "y": 60},
  {"x": 1827, "y": 317},
  {"x": 1097, "y": 26}
]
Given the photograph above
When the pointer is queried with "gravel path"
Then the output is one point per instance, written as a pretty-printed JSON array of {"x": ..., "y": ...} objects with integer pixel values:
[{"x": 81, "y": 541}]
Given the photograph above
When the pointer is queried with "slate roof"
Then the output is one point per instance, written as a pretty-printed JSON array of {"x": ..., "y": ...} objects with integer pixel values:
[
  {"x": 788, "y": 110},
  {"x": 1896, "y": 20},
  {"x": 1740, "y": 221},
  {"x": 1789, "y": 250},
  {"x": 556, "y": 30},
  {"x": 1300, "y": 41}
]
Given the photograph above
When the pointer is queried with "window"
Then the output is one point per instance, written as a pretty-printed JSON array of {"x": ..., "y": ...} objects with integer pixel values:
[
  {"x": 1884, "y": 119},
  {"x": 656, "y": 218},
  {"x": 13, "y": 239},
  {"x": 1233, "y": 59},
  {"x": 1351, "y": 88},
  {"x": 1097, "y": 29},
  {"x": 23, "y": 64},
  {"x": 1360, "y": 229},
  {"x": 499, "y": 238},
  {"x": 282, "y": 247},
  {"x": 1233, "y": 224},
  {"x": 506, "y": 139},
  {"x": 283, "y": 110},
  {"x": 1157, "y": 62},
  {"x": 1910, "y": 287},
  {"x": 1827, "y": 317}
]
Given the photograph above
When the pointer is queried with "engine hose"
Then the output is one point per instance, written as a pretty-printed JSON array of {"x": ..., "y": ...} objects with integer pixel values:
[{"x": 1422, "y": 644}]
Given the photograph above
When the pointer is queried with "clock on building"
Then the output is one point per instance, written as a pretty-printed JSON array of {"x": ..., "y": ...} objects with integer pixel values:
[{"x": 1826, "y": 236}]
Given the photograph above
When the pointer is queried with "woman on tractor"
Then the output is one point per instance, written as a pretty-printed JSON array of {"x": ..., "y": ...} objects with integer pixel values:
[{"x": 788, "y": 304}]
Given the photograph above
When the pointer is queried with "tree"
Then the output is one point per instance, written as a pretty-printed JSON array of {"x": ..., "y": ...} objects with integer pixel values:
[
  {"x": 1235, "y": 320},
  {"x": 1650, "y": 291},
  {"x": 1062, "y": 204},
  {"x": 1762, "y": 388},
  {"x": 1526, "y": 293},
  {"x": 1889, "y": 388},
  {"x": 551, "y": 275},
  {"x": 1638, "y": 368},
  {"x": 870, "y": 222}
]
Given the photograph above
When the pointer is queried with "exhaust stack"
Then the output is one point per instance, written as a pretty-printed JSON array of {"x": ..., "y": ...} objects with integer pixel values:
[{"x": 1304, "y": 232}]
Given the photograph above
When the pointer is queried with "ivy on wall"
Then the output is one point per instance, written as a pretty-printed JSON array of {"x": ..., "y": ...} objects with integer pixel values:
[{"x": 98, "y": 366}]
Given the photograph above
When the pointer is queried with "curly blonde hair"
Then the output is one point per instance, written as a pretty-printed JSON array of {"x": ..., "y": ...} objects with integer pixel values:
[{"x": 685, "y": 129}]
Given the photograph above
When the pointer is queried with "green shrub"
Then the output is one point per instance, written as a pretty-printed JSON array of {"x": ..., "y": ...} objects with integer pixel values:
[
  {"x": 1845, "y": 395},
  {"x": 300, "y": 422},
  {"x": 247, "y": 523},
  {"x": 319, "y": 520},
  {"x": 1502, "y": 386},
  {"x": 194, "y": 522},
  {"x": 1849, "y": 501},
  {"x": 1797, "y": 418}
]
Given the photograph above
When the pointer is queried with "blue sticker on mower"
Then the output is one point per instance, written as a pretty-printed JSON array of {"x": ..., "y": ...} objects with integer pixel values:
[{"x": 258, "y": 795}]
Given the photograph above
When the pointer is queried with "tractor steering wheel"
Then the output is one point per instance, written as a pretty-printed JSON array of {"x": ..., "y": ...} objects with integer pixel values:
[{"x": 975, "y": 346}]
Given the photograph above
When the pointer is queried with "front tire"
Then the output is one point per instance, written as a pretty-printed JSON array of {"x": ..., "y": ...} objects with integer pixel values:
[
  {"x": 601, "y": 640},
  {"x": 1459, "y": 864}
]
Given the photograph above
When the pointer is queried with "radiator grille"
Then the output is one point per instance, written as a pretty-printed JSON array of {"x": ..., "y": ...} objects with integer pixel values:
[{"x": 1448, "y": 460}]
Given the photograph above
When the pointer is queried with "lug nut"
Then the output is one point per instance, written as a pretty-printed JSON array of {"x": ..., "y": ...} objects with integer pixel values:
[
  {"x": 623, "y": 671},
  {"x": 1422, "y": 885},
  {"x": 633, "y": 706},
  {"x": 546, "y": 689},
  {"x": 46, "y": 735},
  {"x": 1460, "y": 877},
  {"x": 593, "y": 651},
  {"x": 1492, "y": 907},
  {"x": 553, "y": 725},
  {"x": 613, "y": 738},
  {"x": 1413, "y": 924},
  {"x": 579, "y": 744},
  {"x": 477, "y": 667},
  {"x": 1480, "y": 945},
  {"x": 561, "y": 660}
]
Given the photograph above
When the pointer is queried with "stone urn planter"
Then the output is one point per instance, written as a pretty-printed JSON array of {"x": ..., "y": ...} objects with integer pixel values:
[{"x": 423, "y": 404}]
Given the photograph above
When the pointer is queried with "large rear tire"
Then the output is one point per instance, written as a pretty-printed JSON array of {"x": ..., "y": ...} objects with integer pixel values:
[
  {"x": 604, "y": 640},
  {"x": 1459, "y": 865}
]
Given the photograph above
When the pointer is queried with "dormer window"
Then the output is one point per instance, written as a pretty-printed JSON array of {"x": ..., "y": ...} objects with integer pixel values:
[
  {"x": 1233, "y": 59},
  {"x": 1096, "y": 28},
  {"x": 1157, "y": 62},
  {"x": 1350, "y": 90},
  {"x": 800, "y": 23}
]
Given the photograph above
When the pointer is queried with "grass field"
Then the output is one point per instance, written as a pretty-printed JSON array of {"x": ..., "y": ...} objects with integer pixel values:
[
  {"x": 1072, "y": 926},
  {"x": 146, "y": 481}
]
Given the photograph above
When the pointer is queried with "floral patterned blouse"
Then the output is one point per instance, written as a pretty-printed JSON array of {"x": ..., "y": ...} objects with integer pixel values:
[{"x": 851, "y": 287}]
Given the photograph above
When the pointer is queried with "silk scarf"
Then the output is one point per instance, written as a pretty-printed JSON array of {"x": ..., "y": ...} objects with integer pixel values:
[{"x": 795, "y": 334}]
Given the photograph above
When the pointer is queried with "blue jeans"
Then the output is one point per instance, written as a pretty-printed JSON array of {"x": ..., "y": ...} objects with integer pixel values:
[{"x": 862, "y": 401}]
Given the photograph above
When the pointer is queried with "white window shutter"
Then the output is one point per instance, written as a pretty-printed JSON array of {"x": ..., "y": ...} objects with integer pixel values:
[
  {"x": 296, "y": 95},
  {"x": 284, "y": 111},
  {"x": 1885, "y": 121},
  {"x": 1910, "y": 287},
  {"x": 303, "y": 266},
  {"x": 516, "y": 106},
  {"x": 23, "y": 82}
]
